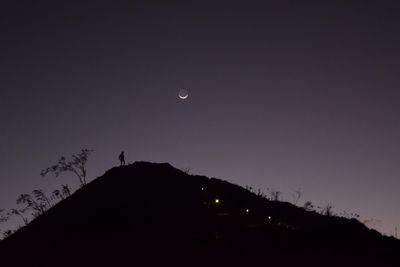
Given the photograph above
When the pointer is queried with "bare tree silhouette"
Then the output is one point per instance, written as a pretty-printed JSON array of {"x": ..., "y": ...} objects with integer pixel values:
[{"x": 76, "y": 166}]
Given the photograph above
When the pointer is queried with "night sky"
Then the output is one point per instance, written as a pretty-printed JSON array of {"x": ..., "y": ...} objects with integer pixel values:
[{"x": 282, "y": 94}]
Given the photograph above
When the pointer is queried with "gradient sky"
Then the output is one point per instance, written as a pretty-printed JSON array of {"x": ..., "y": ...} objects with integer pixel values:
[{"x": 283, "y": 94}]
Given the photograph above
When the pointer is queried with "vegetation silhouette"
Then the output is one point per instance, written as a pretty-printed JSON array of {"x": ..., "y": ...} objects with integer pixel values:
[
  {"x": 76, "y": 165},
  {"x": 166, "y": 217},
  {"x": 33, "y": 206}
]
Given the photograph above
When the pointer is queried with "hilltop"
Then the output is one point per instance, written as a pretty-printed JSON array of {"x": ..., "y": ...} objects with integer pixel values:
[{"x": 152, "y": 214}]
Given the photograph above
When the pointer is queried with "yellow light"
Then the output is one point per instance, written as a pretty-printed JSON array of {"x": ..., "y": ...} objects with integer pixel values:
[
  {"x": 216, "y": 201},
  {"x": 247, "y": 210}
]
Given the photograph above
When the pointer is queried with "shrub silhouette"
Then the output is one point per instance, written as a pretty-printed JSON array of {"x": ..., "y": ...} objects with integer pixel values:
[
  {"x": 328, "y": 210},
  {"x": 41, "y": 196},
  {"x": 76, "y": 166},
  {"x": 61, "y": 194},
  {"x": 276, "y": 195},
  {"x": 39, "y": 202},
  {"x": 36, "y": 206}
]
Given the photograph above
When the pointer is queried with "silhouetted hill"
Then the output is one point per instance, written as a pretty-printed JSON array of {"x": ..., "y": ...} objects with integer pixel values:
[{"x": 148, "y": 214}]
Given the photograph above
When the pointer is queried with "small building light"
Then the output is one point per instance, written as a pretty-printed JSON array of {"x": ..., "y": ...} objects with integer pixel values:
[
  {"x": 202, "y": 188},
  {"x": 217, "y": 201},
  {"x": 247, "y": 210},
  {"x": 269, "y": 217}
]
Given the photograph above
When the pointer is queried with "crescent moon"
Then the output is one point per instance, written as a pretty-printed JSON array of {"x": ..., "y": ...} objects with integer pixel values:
[{"x": 183, "y": 94}]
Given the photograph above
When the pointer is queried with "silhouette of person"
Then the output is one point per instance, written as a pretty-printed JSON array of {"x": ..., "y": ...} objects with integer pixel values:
[{"x": 122, "y": 158}]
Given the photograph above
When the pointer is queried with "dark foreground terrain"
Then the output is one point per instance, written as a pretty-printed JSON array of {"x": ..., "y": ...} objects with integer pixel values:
[{"x": 148, "y": 214}]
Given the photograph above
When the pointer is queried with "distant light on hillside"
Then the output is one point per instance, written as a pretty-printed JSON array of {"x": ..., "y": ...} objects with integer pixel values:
[
  {"x": 216, "y": 201},
  {"x": 247, "y": 210}
]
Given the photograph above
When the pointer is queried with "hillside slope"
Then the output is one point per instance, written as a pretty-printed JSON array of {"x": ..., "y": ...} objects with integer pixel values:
[{"x": 148, "y": 214}]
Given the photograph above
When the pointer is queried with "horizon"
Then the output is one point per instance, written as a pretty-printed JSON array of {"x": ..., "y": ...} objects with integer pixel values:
[{"x": 297, "y": 200}]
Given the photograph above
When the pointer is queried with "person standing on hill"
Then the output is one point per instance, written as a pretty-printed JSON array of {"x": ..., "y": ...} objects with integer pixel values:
[{"x": 122, "y": 158}]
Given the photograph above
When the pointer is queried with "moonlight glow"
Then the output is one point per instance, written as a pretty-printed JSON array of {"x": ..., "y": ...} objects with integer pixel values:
[{"x": 183, "y": 94}]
